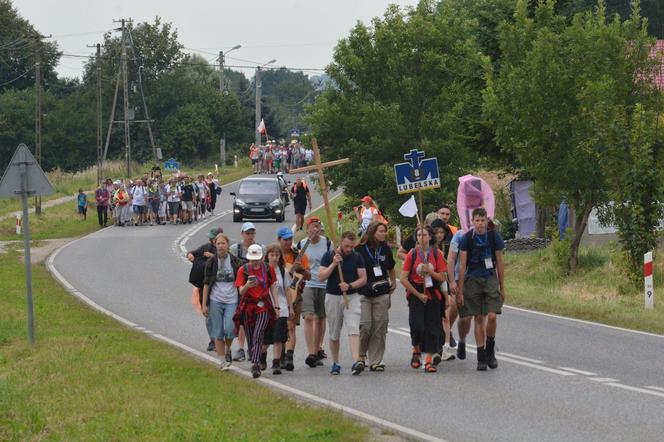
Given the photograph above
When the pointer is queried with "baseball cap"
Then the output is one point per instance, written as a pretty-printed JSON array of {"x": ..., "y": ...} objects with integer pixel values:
[
  {"x": 313, "y": 219},
  {"x": 284, "y": 233},
  {"x": 248, "y": 226},
  {"x": 214, "y": 232},
  {"x": 255, "y": 251},
  {"x": 366, "y": 199}
]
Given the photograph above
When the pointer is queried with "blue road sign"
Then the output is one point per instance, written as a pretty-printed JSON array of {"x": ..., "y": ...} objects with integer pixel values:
[
  {"x": 294, "y": 132},
  {"x": 417, "y": 173},
  {"x": 171, "y": 164}
]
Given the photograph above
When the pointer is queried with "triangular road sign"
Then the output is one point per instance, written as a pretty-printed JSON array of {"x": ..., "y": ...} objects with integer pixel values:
[{"x": 10, "y": 184}]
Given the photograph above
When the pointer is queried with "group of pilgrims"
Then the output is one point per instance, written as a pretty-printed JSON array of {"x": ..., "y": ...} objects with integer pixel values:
[{"x": 258, "y": 295}]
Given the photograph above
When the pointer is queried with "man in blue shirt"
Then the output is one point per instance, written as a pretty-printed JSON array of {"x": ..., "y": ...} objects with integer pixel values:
[{"x": 481, "y": 290}]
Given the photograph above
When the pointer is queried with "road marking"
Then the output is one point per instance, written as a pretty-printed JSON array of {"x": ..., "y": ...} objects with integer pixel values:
[
  {"x": 583, "y": 321},
  {"x": 635, "y": 389},
  {"x": 655, "y": 388},
  {"x": 604, "y": 380},
  {"x": 577, "y": 371}
]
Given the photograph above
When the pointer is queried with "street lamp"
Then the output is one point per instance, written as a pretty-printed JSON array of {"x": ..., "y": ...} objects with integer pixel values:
[
  {"x": 222, "y": 56},
  {"x": 259, "y": 90}
]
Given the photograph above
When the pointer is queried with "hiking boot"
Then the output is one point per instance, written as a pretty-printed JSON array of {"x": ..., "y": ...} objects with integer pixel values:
[
  {"x": 491, "y": 360},
  {"x": 289, "y": 362},
  {"x": 264, "y": 361},
  {"x": 255, "y": 371},
  {"x": 311, "y": 361},
  {"x": 276, "y": 368},
  {"x": 240, "y": 356},
  {"x": 358, "y": 368},
  {"x": 461, "y": 350},
  {"x": 211, "y": 345},
  {"x": 481, "y": 359},
  {"x": 336, "y": 369}
]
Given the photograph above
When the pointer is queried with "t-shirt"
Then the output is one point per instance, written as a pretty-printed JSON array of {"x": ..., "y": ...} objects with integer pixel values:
[
  {"x": 367, "y": 216},
  {"x": 82, "y": 200},
  {"x": 435, "y": 258},
  {"x": 381, "y": 256},
  {"x": 476, "y": 262},
  {"x": 264, "y": 276},
  {"x": 315, "y": 254},
  {"x": 224, "y": 290},
  {"x": 201, "y": 189},
  {"x": 172, "y": 192},
  {"x": 454, "y": 247},
  {"x": 138, "y": 195},
  {"x": 282, "y": 286},
  {"x": 349, "y": 267}
]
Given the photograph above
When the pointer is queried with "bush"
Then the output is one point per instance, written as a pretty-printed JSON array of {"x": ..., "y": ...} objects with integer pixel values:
[{"x": 560, "y": 251}]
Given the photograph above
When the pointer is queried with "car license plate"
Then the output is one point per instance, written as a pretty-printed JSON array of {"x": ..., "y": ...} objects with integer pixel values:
[{"x": 256, "y": 209}]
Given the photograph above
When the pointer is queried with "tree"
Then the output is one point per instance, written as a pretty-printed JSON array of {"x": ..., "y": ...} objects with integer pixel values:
[
  {"x": 557, "y": 82},
  {"x": 411, "y": 80}
]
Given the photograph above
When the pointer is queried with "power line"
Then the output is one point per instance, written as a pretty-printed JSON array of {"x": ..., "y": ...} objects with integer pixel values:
[{"x": 17, "y": 78}]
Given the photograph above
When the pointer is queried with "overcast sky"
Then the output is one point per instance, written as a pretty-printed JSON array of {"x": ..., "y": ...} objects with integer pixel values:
[{"x": 298, "y": 33}]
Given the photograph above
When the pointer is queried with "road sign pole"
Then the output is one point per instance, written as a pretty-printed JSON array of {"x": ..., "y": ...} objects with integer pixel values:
[
  {"x": 26, "y": 246},
  {"x": 647, "y": 274}
]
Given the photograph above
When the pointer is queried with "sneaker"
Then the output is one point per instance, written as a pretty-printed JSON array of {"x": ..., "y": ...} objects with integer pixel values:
[
  {"x": 436, "y": 359},
  {"x": 377, "y": 367},
  {"x": 321, "y": 354},
  {"x": 240, "y": 356},
  {"x": 448, "y": 354},
  {"x": 461, "y": 350},
  {"x": 276, "y": 368},
  {"x": 311, "y": 361},
  {"x": 289, "y": 362},
  {"x": 453, "y": 342},
  {"x": 224, "y": 365},
  {"x": 228, "y": 358},
  {"x": 336, "y": 369},
  {"x": 255, "y": 371},
  {"x": 319, "y": 362},
  {"x": 358, "y": 368},
  {"x": 210, "y": 345}
]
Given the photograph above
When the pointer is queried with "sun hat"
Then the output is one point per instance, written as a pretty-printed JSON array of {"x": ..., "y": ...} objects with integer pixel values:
[
  {"x": 284, "y": 233},
  {"x": 255, "y": 252},
  {"x": 247, "y": 226}
]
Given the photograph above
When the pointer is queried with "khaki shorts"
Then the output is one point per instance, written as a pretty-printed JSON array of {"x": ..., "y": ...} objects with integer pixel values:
[
  {"x": 481, "y": 296},
  {"x": 313, "y": 302},
  {"x": 338, "y": 316}
]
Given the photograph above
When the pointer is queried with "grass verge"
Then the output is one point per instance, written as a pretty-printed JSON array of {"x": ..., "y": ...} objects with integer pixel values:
[{"x": 89, "y": 377}]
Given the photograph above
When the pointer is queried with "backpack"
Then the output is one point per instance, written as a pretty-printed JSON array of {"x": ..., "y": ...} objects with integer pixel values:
[
  {"x": 470, "y": 241},
  {"x": 436, "y": 285}
]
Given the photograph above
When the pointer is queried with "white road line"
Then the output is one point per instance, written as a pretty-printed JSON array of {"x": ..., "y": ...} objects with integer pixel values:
[
  {"x": 577, "y": 371},
  {"x": 405, "y": 329},
  {"x": 582, "y": 321},
  {"x": 652, "y": 387},
  {"x": 636, "y": 389},
  {"x": 523, "y": 358},
  {"x": 604, "y": 380}
]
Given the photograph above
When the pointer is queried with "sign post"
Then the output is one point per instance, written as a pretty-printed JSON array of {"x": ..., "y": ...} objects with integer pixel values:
[
  {"x": 171, "y": 165},
  {"x": 26, "y": 178},
  {"x": 647, "y": 274}
]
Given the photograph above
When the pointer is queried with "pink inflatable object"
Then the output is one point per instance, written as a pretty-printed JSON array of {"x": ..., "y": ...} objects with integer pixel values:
[{"x": 473, "y": 192}]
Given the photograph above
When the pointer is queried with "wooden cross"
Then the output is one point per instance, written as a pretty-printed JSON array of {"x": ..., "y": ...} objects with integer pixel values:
[{"x": 319, "y": 166}]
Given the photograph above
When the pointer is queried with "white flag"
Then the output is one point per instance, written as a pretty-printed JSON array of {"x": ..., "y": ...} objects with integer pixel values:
[
  {"x": 409, "y": 208},
  {"x": 261, "y": 127}
]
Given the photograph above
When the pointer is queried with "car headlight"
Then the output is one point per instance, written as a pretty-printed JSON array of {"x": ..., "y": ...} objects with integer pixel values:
[
  {"x": 240, "y": 202},
  {"x": 275, "y": 203}
]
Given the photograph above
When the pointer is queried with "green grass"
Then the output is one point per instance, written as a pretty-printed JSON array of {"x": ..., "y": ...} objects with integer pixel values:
[{"x": 89, "y": 377}]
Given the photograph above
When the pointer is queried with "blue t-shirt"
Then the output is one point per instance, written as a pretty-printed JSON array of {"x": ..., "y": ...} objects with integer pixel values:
[
  {"x": 82, "y": 200},
  {"x": 349, "y": 267},
  {"x": 481, "y": 250}
]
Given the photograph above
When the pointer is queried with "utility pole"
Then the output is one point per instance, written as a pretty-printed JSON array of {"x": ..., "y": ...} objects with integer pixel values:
[
  {"x": 125, "y": 91},
  {"x": 100, "y": 152},
  {"x": 221, "y": 71},
  {"x": 38, "y": 115},
  {"x": 259, "y": 91}
]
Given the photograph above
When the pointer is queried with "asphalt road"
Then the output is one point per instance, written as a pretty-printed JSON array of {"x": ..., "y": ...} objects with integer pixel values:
[{"x": 558, "y": 379}]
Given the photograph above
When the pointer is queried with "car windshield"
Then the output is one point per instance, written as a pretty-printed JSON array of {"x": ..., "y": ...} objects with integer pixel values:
[{"x": 258, "y": 188}]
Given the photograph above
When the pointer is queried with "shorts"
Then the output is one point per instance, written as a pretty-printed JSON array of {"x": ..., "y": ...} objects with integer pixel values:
[
  {"x": 187, "y": 205},
  {"x": 154, "y": 206},
  {"x": 221, "y": 317},
  {"x": 277, "y": 333},
  {"x": 254, "y": 161},
  {"x": 337, "y": 315},
  {"x": 300, "y": 208},
  {"x": 481, "y": 296},
  {"x": 82, "y": 210},
  {"x": 138, "y": 210},
  {"x": 313, "y": 302},
  {"x": 173, "y": 208}
]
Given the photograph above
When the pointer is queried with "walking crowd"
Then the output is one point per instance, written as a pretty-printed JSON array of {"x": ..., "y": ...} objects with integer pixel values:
[
  {"x": 178, "y": 199},
  {"x": 260, "y": 294},
  {"x": 276, "y": 157}
]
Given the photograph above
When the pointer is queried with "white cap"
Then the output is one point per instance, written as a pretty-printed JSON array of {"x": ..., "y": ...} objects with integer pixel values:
[
  {"x": 248, "y": 226},
  {"x": 255, "y": 251}
]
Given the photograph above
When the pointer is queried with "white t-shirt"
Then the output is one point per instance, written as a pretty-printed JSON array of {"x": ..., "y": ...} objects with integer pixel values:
[
  {"x": 172, "y": 197},
  {"x": 367, "y": 216},
  {"x": 201, "y": 189},
  {"x": 282, "y": 287},
  {"x": 224, "y": 290},
  {"x": 138, "y": 195}
]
